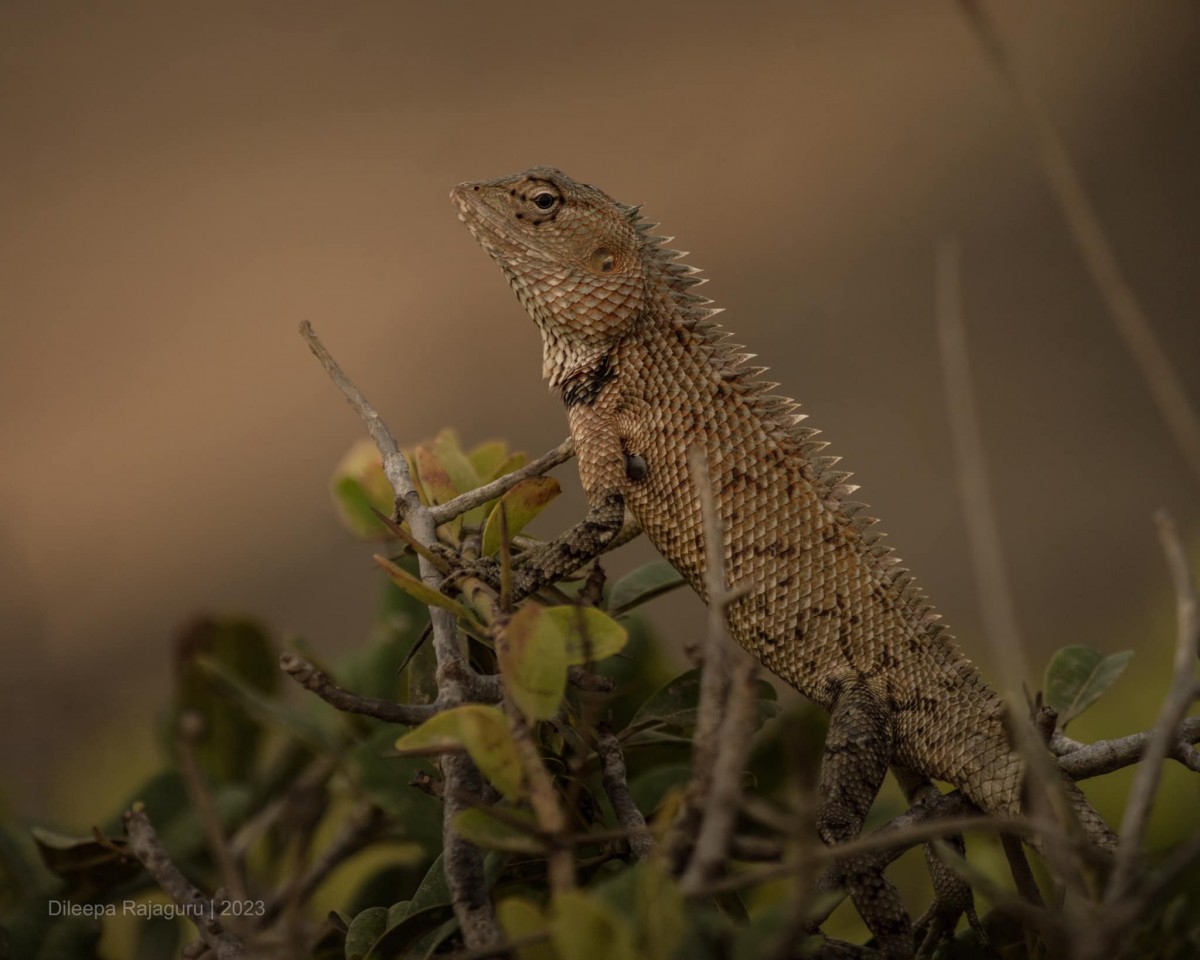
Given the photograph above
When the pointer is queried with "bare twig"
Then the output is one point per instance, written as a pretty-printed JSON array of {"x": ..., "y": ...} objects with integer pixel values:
[
  {"x": 616, "y": 786},
  {"x": 889, "y": 840},
  {"x": 983, "y": 532},
  {"x": 191, "y": 728},
  {"x": 1124, "y": 309},
  {"x": 359, "y": 829},
  {"x": 725, "y": 792},
  {"x": 1082, "y": 760},
  {"x": 501, "y": 485},
  {"x": 315, "y": 681},
  {"x": 202, "y": 912},
  {"x": 987, "y": 558},
  {"x": 714, "y": 672},
  {"x": 314, "y": 775},
  {"x": 463, "y": 861},
  {"x": 1179, "y": 698}
]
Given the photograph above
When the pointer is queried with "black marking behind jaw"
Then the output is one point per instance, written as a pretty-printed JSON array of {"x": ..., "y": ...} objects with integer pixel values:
[{"x": 585, "y": 386}]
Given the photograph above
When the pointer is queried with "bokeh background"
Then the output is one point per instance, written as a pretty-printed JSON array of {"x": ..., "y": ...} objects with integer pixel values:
[{"x": 182, "y": 183}]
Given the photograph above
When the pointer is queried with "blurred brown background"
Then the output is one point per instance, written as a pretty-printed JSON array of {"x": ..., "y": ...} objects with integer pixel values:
[{"x": 183, "y": 183}]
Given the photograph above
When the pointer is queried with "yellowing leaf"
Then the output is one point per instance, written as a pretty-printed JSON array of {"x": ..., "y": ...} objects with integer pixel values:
[
  {"x": 520, "y": 918},
  {"x": 484, "y": 732},
  {"x": 487, "y": 458},
  {"x": 491, "y": 833},
  {"x": 660, "y": 911},
  {"x": 533, "y": 662},
  {"x": 358, "y": 484},
  {"x": 437, "y": 483},
  {"x": 586, "y": 928},
  {"x": 514, "y": 462},
  {"x": 521, "y": 504},
  {"x": 419, "y": 590},
  {"x": 588, "y": 634},
  {"x": 449, "y": 451}
]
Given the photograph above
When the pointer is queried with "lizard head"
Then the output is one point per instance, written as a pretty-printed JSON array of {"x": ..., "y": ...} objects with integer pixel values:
[{"x": 575, "y": 257}]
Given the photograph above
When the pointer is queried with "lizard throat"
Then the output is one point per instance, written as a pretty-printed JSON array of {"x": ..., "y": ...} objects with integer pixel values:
[{"x": 585, "y": 385}]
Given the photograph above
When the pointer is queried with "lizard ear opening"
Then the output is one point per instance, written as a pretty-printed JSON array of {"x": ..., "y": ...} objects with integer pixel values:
[{"x": 602, "y": 260}]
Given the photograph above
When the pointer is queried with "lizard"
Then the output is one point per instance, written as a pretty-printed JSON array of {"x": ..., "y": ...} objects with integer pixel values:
[{"x": 646, "y": 374}]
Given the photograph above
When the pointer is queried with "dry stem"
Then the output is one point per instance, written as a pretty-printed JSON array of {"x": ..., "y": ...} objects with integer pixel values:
[{"x": 463, "y": 862}]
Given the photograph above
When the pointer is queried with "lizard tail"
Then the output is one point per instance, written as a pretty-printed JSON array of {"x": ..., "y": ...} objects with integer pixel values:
[{"x": 1094, "y": 826}]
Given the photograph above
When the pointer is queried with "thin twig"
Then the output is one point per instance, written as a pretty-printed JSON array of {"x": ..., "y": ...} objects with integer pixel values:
[
  {"x": 616, "y": 786},
  {"x": 987, "y": 557},
  {"x": 725, "y": 792},
  {"x": 463, "y": 861},
  {"x": 202, "y": 912},
  {"x": 191, "y": 728},
  {"x": 714, "y": 672},
  {"x": 316, "y": 681},
  {"x": 891, "y": 842},
  {"x": 358, "y": 830},
  {"x": 314, "y": 775},
  {"x": 1179, "y": 698},
  {"x": 1082, "y": 760},
  {"x": 1124, "y": 309},
  {"x": 447, "y": 511},
  {"x": 983, "y": 532}
]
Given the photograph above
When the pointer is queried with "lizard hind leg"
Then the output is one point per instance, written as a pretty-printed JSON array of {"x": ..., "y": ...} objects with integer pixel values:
[{"x": 858, "y": 750}]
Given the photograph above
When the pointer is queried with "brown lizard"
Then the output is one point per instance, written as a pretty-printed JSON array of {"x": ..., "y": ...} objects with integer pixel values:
[{"x": 646, "y": 375}]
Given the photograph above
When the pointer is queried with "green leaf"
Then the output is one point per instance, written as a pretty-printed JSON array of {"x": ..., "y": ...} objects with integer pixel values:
[
  {"x": 514, "y": 461},
  {"x": 660, "y": 912},
  {"x": 674, "y": 706},
  {"x": 365, "y": 930},
  {"x": 461, "y": 469},
  {"x": 428, "y": 909},
  {"x": 231, "y": 735},
  {"x": 1077, "y": 677},
  {"x": 484, "y": 732},
  {"x": 385, "y": 778},
  {"x": 359, "y": 484},
  {"x": 487, "y": 458},
  {"x": 589, "y": 635},
  {"x": 158, "y": 937},
  {"x": 490, "y": 833},
  {"x": 520, "y": 918},
  {"x": 650, "y": 786},
  {"x": 584, "y": 927},
  {"x": 533, "y": 662},
  {"x": 298, "y": 724},
  {"x": 437, "y": 483},
  {"x": 418, "y": 589},
  {"x": 519, "y": 505},
  {"x": 645, "y": 583},
  {"x": 84, "y": 862}
]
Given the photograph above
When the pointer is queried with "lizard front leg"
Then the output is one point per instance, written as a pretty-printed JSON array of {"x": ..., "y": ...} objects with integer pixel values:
[
  {"x": 603, "y": 528},
  {"x": 858, "y": 750},
  {"x": 581, "y": 544}
]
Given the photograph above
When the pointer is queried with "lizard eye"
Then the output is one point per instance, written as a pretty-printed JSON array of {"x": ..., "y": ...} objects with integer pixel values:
[
  {"x": 602, "y": 260},
  {"x": 545, "y": 199}
]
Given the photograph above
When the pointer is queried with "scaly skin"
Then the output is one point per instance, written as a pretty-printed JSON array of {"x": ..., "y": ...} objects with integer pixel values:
[{"x": 645, "y": 375}]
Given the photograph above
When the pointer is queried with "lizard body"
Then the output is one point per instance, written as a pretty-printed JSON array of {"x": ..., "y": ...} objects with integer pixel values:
[{"x": 646, "y": 374}]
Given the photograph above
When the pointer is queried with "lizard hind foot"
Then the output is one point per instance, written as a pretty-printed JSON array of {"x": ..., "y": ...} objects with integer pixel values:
[{"x": 858, "y": 750}]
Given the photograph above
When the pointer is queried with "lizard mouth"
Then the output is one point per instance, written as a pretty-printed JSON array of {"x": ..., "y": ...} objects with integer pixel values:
[{"x": 492, "y": 228}]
